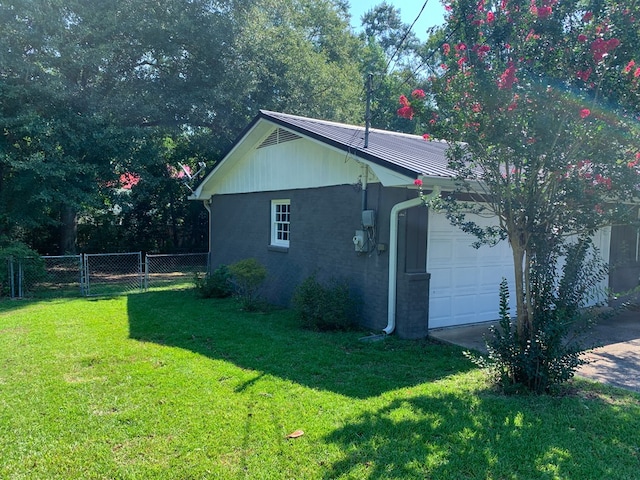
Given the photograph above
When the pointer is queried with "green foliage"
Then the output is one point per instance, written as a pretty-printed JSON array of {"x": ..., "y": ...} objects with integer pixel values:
[
  {"x": 88, "y": 93},
  {"x": 33, "y": 270},
  {"x": 325, "y": 307},
  {"x": 539, "y": 102},
  {"x": 216, "y": 284},
  {"x": 247, "y": 277},
  {"x": 552, "y": 351}
]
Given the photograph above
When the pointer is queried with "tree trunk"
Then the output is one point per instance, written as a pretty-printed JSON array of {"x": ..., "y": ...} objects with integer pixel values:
[
  {"x": 68, "y": 230},
  {"x": 522, "y": 293}
]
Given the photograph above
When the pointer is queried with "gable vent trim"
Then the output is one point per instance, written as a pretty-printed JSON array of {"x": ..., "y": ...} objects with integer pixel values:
[{"x": 279, "y": 135}]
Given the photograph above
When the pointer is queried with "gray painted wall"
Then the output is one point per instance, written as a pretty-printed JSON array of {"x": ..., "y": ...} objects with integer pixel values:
[{"x": 323, "y": 222}]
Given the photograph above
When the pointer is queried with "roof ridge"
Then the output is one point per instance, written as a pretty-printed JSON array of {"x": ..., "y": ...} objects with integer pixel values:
[{"x": 344, "y": 125}]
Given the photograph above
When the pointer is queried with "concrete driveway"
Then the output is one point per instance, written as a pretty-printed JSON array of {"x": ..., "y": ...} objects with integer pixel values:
[{"x": 616, "y": 360}]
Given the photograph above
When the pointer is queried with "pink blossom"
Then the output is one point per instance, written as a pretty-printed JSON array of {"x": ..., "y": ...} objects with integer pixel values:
[
  {"x": 417, "y": 182},
  {"x": 584, "y": 113},
  {"x": 532, "y": 36},
  {"x": 418, "y": 93},
  {"x": 508, "y": 78},
  {"x": 583, "y": 74},
  {"x": 404, "y": 101},
  {"x": 406, "y": 112},
  {"x": 544, "y": 12},
  {"x": 129, "y": 180},
  {"x": 601, "y": 47},
  {"x": 601, "y": 180},
  {"x": 481, "y": 50},
  {"x": 184, "y": 171},
  {"x": 587, "y": 17},
  {"x": 637, "y": 72},
  {"x": 490, "y": 17},
  {"x": 446, "y": 48},
  {"x": 460, "y": 47},
  {"x": 629, "y": 66},
  {"x": 582, "y": 38},
  {"x": 426, "y": 136}
]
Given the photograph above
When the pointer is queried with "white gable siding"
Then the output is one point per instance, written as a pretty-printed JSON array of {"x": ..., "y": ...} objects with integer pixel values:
[{"x": 291, "y": 165}]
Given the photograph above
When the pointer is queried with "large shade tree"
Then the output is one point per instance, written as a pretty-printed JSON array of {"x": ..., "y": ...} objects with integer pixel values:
[
  {"x": 91, "y": 91},
  {"x": 540, "y": 100}
]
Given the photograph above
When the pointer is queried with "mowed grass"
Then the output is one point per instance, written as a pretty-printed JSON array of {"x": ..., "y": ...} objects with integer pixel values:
[{"x": 167, "y": 385}]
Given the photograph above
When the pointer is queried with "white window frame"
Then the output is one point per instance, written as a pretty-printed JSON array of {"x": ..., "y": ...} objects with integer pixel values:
[{"x": 280, "y": 222}]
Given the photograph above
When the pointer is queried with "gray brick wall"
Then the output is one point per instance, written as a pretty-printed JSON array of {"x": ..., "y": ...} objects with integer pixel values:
[{"x": 323, "y": 222}]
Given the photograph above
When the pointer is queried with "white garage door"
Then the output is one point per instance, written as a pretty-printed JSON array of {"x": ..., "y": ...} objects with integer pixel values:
[{"x": 464, "y": 281}]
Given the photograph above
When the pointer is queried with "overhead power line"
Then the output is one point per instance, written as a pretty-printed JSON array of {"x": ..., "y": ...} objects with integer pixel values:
[{"x": 406, "y": 34}]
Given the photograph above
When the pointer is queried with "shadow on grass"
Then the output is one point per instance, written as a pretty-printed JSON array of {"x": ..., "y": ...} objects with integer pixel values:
[
  {"x": 273, "y": 344},
  {"x": 449, "y": 435}
]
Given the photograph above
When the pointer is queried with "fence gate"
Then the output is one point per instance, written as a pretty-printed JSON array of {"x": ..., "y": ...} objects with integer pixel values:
[{"x": 112, "y": 273}]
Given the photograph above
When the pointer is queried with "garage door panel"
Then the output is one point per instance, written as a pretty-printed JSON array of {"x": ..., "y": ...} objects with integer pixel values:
[
  {"x": 441, "y": 278},
  {"x": 442, "y": 251},
  {"x": 464, "y": 280},
  {"x": 492, "y": 272}
]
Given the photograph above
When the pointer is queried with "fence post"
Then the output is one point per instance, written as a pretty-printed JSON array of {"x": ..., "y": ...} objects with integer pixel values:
[
  {"x": 20, "y": 278},
  {"x": 87, "y": 281},
  {"x": 146, "y": 272},
  {"x": 12, "y": 280},
  {"x": 82, "y": 276},
  {"x": 140, "y": 272}
]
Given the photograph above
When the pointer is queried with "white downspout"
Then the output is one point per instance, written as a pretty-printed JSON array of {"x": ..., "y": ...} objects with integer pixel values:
[
  {"x": 207, "y": 205},
  {"x": 393, "y": 253}
]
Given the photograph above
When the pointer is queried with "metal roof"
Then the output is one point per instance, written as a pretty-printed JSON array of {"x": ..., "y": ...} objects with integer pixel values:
[{"x": 409, "y": 155}]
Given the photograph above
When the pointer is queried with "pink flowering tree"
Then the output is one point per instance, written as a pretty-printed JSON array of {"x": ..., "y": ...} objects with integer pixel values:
[{"x": 540, "y": 101}]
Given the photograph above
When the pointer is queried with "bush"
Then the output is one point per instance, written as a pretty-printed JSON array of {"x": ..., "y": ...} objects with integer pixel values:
[
  {"x": 33, "y": 270},
  {"x": 216, "y": 284},
  {"x": 553, "y": 352},
  {"x": 325, "y": 307},
  {"x": 247, "y": 277}
]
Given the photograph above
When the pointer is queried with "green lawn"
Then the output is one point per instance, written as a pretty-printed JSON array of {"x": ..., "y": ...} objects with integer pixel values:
[{"x": 167, "y": 385}]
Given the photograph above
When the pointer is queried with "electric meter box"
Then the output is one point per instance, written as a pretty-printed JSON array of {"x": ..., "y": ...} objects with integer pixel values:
[
  {"x": 360, "y": 241},
  {"x": 368, "y": 218}
]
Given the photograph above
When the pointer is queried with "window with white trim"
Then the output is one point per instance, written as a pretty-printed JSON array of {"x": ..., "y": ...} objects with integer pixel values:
[{"x": 280, "y": 222}]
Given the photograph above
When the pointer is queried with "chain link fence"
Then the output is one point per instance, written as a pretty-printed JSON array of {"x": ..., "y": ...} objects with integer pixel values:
[
  {"x": 112, "y": 273},
  {"x": 174, "y": 270},
  {"x": 97, "y": 274}
]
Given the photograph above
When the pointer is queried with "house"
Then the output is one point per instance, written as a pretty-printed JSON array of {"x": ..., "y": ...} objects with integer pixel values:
[{"x": 307, "y": 196}]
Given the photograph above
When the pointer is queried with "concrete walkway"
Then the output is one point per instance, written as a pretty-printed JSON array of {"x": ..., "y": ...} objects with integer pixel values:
[{"x": 616, "y": 360}]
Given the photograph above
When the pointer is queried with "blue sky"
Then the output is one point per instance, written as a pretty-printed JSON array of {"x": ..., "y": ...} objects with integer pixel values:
[{"x": 433, "y": 13}]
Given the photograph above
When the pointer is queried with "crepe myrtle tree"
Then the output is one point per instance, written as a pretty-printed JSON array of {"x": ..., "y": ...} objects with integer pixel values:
[{"x": 539, "y": 100}]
